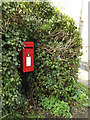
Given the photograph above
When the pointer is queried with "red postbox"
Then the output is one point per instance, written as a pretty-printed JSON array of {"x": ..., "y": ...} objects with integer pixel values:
[{"x": 27, "y": 57}]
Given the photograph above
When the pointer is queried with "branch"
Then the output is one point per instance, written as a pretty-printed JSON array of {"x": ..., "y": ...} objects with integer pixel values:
[{"x": 5, "y": 116}]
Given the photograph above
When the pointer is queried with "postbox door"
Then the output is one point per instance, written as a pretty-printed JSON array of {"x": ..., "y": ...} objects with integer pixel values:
[{"x": 28, "y": 60}]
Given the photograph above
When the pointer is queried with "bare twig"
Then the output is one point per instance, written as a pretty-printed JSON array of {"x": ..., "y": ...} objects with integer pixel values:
[{"x": 5, "y": 116}]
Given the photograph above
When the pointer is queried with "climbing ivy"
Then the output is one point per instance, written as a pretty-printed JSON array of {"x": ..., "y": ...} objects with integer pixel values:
[{"x": 57, "y": 53}]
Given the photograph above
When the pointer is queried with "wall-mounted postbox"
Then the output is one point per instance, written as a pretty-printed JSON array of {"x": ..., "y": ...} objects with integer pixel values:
[{"x": 27, "y": 57}]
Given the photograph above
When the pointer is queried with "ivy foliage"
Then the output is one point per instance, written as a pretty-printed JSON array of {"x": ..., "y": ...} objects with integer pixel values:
[
  {"x": 56, "y": 106},
  {"x": 57, "y": 52}
]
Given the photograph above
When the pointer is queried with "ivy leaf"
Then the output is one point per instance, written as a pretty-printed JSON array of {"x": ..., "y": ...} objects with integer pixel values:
[{"x": 65, "y": 65}]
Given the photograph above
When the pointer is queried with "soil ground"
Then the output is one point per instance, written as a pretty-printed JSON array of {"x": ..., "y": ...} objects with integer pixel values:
[{"x": 77, "y": 112}]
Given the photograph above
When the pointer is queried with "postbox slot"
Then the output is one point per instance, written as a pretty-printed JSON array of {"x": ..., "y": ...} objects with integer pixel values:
[
  {"x": 28, "y": 47},
  {"x": 28, "y": 53}
]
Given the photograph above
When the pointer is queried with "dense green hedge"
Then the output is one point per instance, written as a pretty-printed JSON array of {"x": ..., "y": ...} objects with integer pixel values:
[{"x": 57, "y": 50}]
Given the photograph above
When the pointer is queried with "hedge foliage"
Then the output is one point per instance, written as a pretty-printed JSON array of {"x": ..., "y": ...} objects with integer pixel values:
[{"x": 57, "y": 52}]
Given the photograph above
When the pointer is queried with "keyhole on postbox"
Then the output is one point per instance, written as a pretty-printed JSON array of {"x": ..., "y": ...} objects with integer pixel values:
[{"x": 28, "y": 61}]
